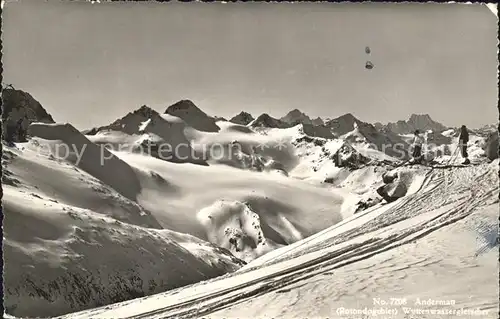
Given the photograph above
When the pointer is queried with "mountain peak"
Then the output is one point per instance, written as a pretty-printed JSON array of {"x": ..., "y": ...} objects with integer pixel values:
[
  {"x": 182, "y": 105},
  {"x": 295, "y": 116},
  {"x": 346, "y": 118},
  {"x": 420, "y": 116},
  {"x": 243, "y": 118},
  {"x": 296, "y": 111},
  {"x": 266, "y": 120},
  {"x": 193, "y": 116},
  {"x": 145, "y": 111},
  {"x": 318, "y": 121},
  {"x": 422, "y": 122}
]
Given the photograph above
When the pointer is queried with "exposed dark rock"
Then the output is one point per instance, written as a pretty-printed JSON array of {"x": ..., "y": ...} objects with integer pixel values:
[
  {"x": 193, "y": 116},
  {"x": 422, "y": 122},
  {"x": 243, "y": 118},
  {"x": 19, "y": 110},
  {"x": 265, "y": 120}
]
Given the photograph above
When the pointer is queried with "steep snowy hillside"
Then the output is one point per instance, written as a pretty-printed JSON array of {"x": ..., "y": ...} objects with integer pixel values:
[
  {"x": 72, "y": 242},
  {"x": 433, "y": 252}
]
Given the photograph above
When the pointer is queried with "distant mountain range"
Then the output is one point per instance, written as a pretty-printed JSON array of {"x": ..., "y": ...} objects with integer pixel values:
[
  {"x": 421, "y": 122},
  {"x": 21, "y": 107}
]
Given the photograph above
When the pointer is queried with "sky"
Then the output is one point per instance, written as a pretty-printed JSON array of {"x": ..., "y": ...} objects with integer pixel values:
[{"x": 89, "y": 64}]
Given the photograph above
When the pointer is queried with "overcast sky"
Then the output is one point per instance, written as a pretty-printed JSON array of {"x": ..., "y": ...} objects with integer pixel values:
[{"x": 89, "y": 64}]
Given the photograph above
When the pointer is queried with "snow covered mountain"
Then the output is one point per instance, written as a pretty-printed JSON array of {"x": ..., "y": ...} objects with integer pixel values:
[
  {"x": 145, "y": 130},
  {"x": 164, "y": 203},
  {"x": 367, "y": 137},
  {"x": 422, "y": 122}
]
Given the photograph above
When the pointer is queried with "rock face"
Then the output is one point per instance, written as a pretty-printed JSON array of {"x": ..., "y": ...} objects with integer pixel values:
[
  {"x": 438, "y": 139},
  {"x": 343, "y": 124},
  {"x": 378, "y": 126},
  {"x": 348, "y": 157},
  {"x": 318, "y": 121},
  {"x": 491, "y": 146},
  {"x": 243, "y": 118},
  {"x": 295, "y": 117},
  {"x": 318, "y": 131},
  {"x": 19, "y": 110},
  {"x": 219, "y": 118},
  {"x": 193, "y": 116},
  {"x": 131, "y": 122},
  {"x": 396, "y": 185},
  {"x": 422, "y": 122},
  {"x": 92, "y": 131},
  {"x": 265, "y": 120},
  {"x": 160, "y": 138}
]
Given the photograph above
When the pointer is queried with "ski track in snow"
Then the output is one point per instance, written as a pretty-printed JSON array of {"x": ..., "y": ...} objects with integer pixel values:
[{"x": 444, "y": 198}]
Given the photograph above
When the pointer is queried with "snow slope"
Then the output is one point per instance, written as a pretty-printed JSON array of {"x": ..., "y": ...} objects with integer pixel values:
[
  {"x": 438, "y": 243},
  {"x": 278, "y": 200},
  {"x": 71, "y": 242}
]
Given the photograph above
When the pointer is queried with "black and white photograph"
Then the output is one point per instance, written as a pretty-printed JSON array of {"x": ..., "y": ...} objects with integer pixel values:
[{"x": 240, "y": 160}]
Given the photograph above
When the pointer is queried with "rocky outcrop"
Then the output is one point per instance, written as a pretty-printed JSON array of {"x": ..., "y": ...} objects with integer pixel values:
[
  {"x": 343, "y": 124},
  {"x": 160, "y": 137},
  {"x": 348, "y": 157},
  {"x": 422, "y": 122},
  {"x": 19, "y": 110},
  {"x": 265, "y": 120},
  {"x": 318, "y": 121},
  {"x": 243, "y": 118},
  {"x": 130, "y": 123},
  {"x": 387, "y": 142},
  {"x": 193, "y": 116},
  {"x": 318, "y": 131},
  {"x": 491, "y": 146},
  {"x": 295, "y": 117}
]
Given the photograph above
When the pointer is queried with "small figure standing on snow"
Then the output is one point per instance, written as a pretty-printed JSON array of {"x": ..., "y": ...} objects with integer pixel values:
[
  {"x": 417, "y": 147},
  {"x": 463, "y": 139}
]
